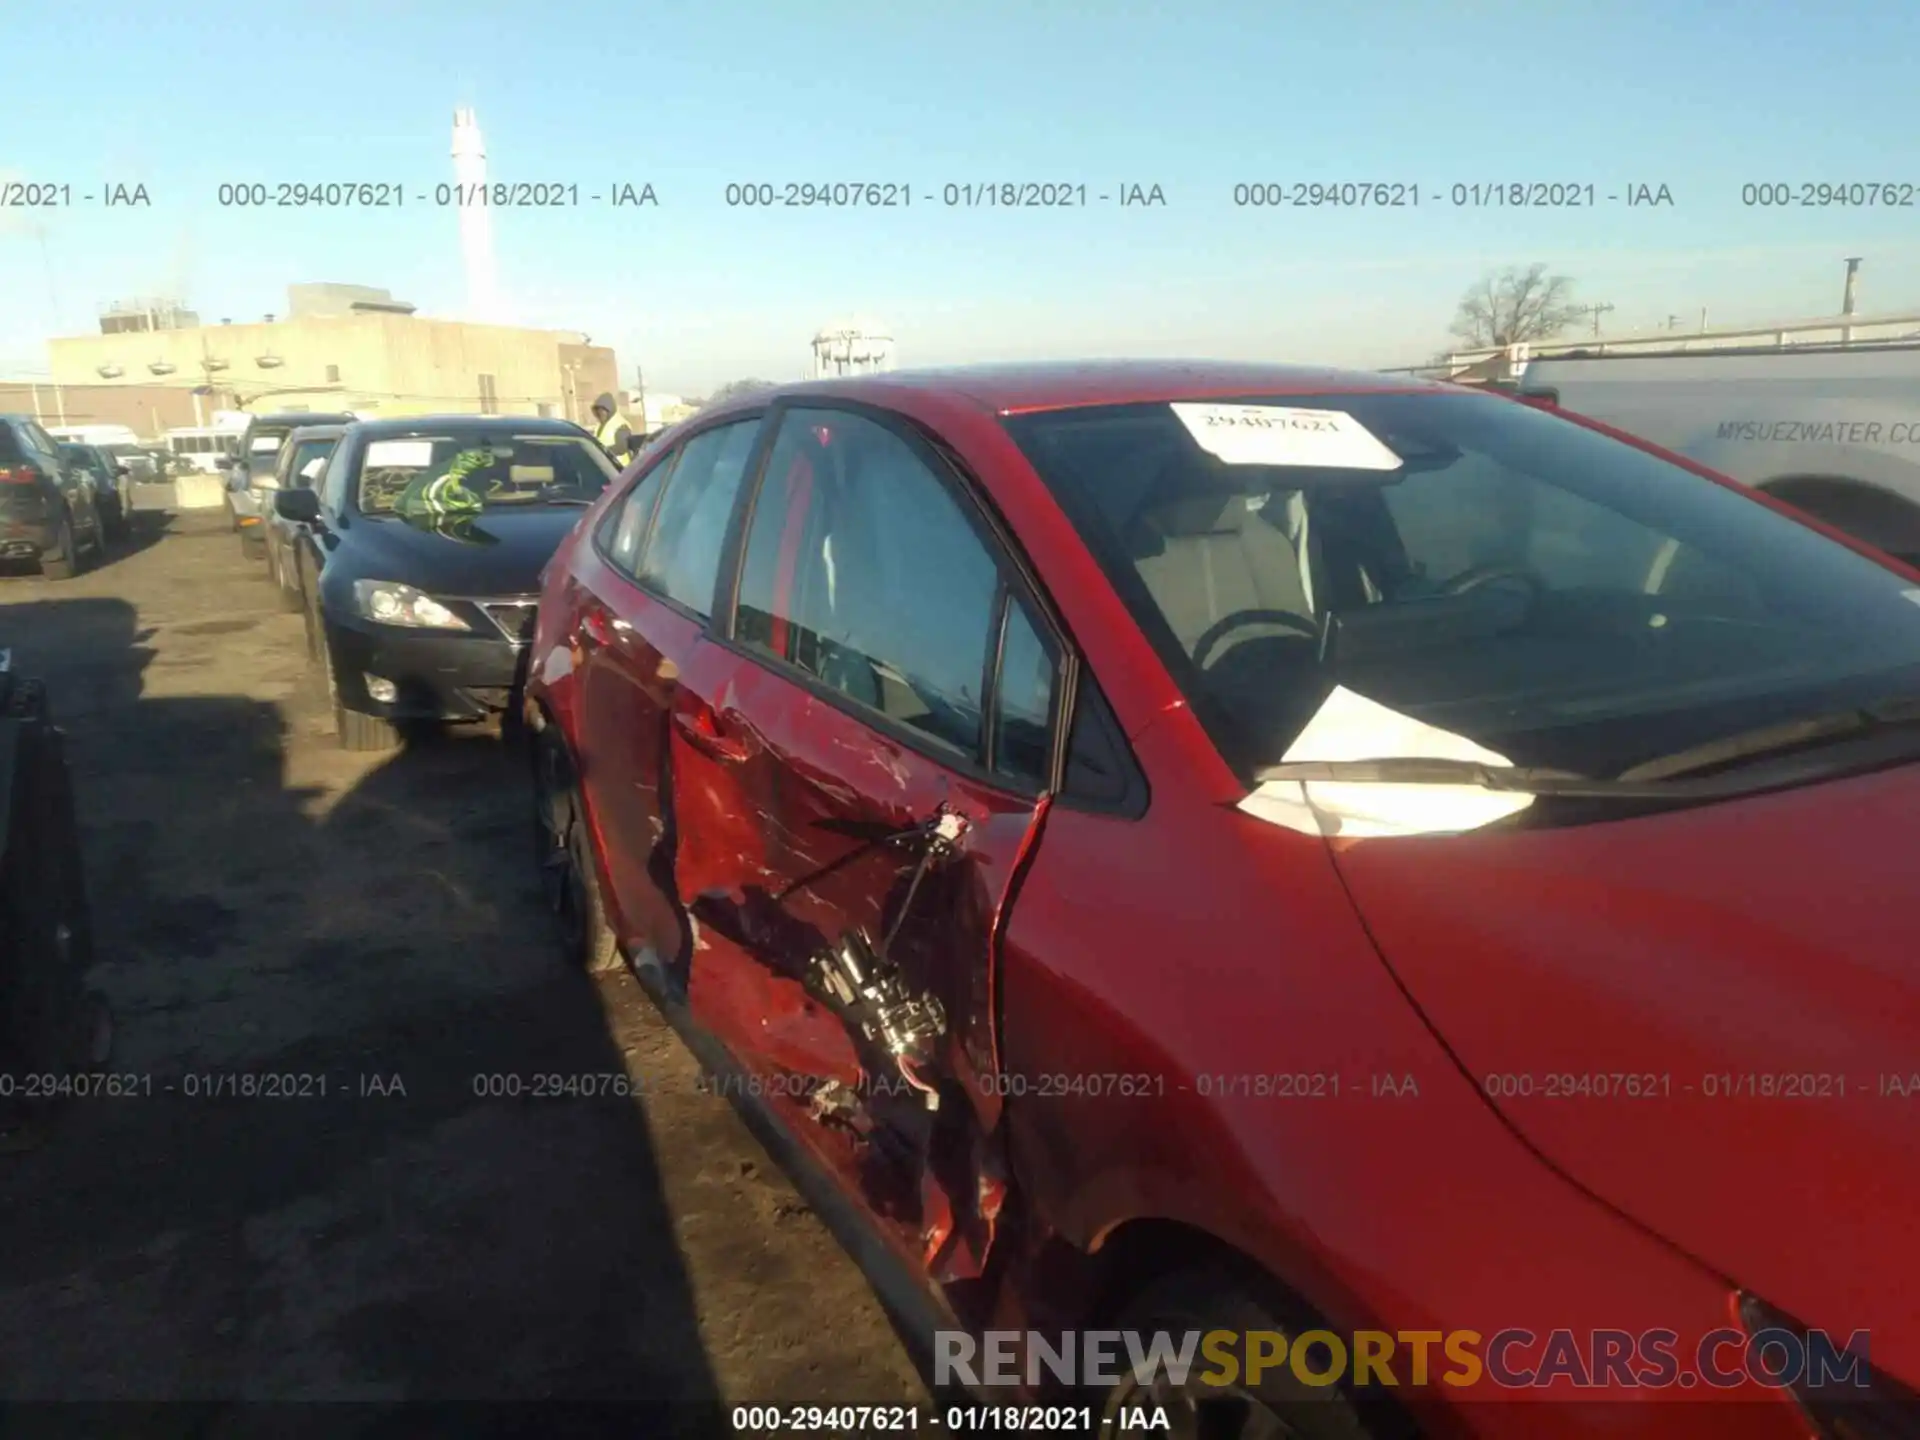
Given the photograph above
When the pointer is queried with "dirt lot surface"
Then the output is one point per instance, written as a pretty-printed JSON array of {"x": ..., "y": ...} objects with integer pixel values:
[{"x": 367, "y": 933}]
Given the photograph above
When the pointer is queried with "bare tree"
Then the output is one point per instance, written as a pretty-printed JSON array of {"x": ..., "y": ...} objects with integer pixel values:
[
  {"x": 738, "y": 387},
  {"x": 1515, "y": 305}
]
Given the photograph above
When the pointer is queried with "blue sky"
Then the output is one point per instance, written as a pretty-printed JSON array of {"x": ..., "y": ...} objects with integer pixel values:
[{"x": 1701, "y": 97}]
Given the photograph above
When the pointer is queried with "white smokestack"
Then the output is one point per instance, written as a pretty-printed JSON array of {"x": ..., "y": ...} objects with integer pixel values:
[{"x": 476, "y": 218}]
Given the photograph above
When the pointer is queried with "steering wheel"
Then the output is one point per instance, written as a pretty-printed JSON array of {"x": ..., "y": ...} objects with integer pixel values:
[
  {"x": 1218, "y": 631},
  {"x": 1478, "y": 577}
]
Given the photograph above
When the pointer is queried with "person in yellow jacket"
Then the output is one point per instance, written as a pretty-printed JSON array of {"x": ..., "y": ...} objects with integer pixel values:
[{"x": 612, "y": 431}]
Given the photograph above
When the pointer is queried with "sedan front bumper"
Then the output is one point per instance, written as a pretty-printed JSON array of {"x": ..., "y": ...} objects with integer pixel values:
[{"x": 436, "y": 674}]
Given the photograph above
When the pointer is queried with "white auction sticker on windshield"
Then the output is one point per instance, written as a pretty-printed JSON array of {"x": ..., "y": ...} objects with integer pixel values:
[
  {"x": 263, "y": 444},
  {"x": 400, "y": 454},
  {"x": 1285, "y": 435}
]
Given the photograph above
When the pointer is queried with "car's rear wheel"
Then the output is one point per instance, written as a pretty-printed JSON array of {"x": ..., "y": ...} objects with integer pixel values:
[
  {"x": 1278, "y": 1405},
  {"x": 566, "y": 864},
  {"x": 63, "y": 562},
  {"x": 366, "y": 734}
]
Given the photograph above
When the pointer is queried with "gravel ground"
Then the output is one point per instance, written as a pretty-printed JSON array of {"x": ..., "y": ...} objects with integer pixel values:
[{"x": 363, "y": 936}]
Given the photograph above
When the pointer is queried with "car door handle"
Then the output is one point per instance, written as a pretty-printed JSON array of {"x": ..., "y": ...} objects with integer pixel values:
[
  {"x": 593, "y": 629},
  {"x": 702, "y": 730}
]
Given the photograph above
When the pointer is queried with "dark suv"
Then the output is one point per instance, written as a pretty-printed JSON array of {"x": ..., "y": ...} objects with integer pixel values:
[{"x": 48, "y": 512}]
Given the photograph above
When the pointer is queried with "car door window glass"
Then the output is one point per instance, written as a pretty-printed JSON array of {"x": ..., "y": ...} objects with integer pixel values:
[
  {"x": 682, "y": 555},
  {"x": 862, "y": 569},
  {"x": 1023, "y": 701},
  {"x": 625, "y": 529}
]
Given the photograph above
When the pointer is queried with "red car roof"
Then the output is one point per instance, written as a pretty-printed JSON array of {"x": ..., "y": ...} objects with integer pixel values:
[{"x": 1009, "y": 389}]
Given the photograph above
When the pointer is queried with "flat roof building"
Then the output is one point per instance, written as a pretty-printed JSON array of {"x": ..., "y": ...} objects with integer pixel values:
[{"x": 347, "y": 347}]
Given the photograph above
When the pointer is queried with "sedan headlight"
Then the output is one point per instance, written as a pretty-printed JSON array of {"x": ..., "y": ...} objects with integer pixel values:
[{"x": 391, "y": 603}]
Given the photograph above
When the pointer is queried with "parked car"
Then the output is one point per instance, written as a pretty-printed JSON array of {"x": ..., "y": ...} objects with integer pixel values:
[
  {"x": 142, "y": 463},
  {"x": 111, "y": 481},
  {"x": 48, "y": 511},
  {"x": 303, "y": 459},
  {"x": 1831, "y": 429},
  {"x": 118, "y": 442},
  {"x": 421, "y": 560},
  {"x": 252, "y": 469},
  {"x": 1196, "y": 847}
]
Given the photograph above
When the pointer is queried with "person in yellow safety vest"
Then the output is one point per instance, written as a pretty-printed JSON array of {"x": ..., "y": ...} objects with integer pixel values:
[{"x": 612, "y": 431}]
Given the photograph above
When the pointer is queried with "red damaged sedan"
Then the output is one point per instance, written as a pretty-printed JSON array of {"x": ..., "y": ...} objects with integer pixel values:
[{"x": 1388, "y": 881}]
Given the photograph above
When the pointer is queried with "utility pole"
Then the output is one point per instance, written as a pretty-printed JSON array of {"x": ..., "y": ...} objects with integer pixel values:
[{"x": 1596, "y": 311}]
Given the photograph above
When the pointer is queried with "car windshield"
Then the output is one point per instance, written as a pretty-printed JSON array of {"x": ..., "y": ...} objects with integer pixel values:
[
  {"x": 263, "y": 447},
  {"x": 1551, "y": 593},
  {"x": 454, "y": 471},
  {"x": 309, "y": 458}
]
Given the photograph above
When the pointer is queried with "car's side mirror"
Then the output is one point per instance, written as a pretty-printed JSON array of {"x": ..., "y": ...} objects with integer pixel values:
[
  {"x": 300, "y": 506},
  {"x": 122, "y": 471}
]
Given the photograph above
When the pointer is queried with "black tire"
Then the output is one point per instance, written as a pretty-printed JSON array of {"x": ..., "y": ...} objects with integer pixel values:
[
  {"x": 364, "y": 734},
  {"x": 252, "y": 547},
  {"x": 63, "y": 562},
  {"x": 564, "y": 854},
  {"x": 1212, "y": 1298}
]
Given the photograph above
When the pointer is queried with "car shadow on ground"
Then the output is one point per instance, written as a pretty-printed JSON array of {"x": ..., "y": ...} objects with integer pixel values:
[
  {"x": 146, "y": 528},
  {"x": 328, "y": 1176}
]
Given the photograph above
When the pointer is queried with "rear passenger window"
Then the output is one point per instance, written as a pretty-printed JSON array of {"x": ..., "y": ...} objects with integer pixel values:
[
  {"x": 1024, "y": 702},
  {"x": 862, "y": 569},
  {"x": 682, "y": 557},
  {"x": 625, "y": 529}
]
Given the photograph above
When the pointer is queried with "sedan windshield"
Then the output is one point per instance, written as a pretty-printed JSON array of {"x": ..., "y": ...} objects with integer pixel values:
[
  {"x": 1548, "y": 592},
  {"x": 308, "y": 460},
  {"x": 445, "y": 472}
]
